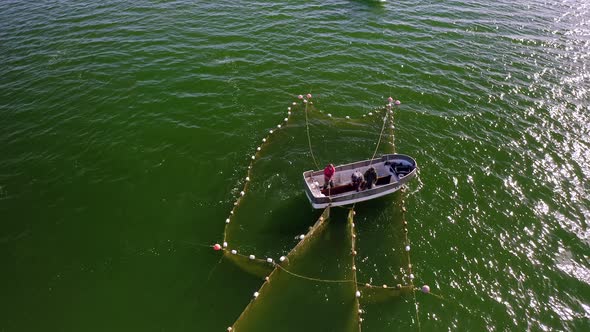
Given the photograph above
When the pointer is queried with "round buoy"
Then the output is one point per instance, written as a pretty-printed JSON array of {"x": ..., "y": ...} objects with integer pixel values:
[
  {"x": 234, "y": 252},
  {"x": 398, "y": 286},
  {"x": 329, "y": 115},
  {"x": 411, "y": 276},
  {"x": 256, "y": 294},
  {"x": 247, "y": 178},
  {"x": 282, "y": 259},
  {"x": 227, "y": 221},
  {"x": 270, "y": 131},
  {"x": 300, "y": 97},
  {"x": 370, "y": 113},
  {"x": 301, "y": 237},
  {"x": 269, "y": 260},
  {"x": 258, "y": 149},
  {"x": 425, "y": 289},
  {"x": 357, "y": 294},
  {"x": 407, "y": 248},
  {"x": 308, "y": 95},
  {"x": 397, "y": 102},
  {"x": 390, "y": 99},
  {"x": 216, "y": 247},
  {"x": 229, "y": 329},
  {"x": 278, "y": 126},
  {"x": 252, "y": 257},
  {"x": 225, "y": 244},
  {"x": 286, "y": 119},
  {"x": 347, "y": 117},
  {"x": 242, "y": 193},
  {"x": 288, "y": 108},
  {"x": 253, "y": 157},
  {"x": 384, "y": 286}
]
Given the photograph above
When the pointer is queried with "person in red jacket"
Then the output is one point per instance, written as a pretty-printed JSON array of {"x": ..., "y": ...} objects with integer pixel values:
[{"x": 328, "y": 174}]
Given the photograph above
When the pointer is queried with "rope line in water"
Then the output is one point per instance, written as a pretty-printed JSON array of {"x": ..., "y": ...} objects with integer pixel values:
[
  {"x": 309, "y": 138},
  {"x": 279, "y": 266},
  {"x": 380, "y": 136},
  {"x": 342, "y": 281}
]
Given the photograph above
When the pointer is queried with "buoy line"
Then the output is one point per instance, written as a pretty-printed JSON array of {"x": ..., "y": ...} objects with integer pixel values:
[
  {"x": 425, "y": 288},
  {"x": 249, "y": 172},
  {"x": 357, "y": 293}
]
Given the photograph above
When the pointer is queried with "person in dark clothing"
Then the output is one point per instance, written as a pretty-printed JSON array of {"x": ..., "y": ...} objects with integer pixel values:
[
  {"x": 370, "y": 178},
  {"x": 357, "y": 180}
]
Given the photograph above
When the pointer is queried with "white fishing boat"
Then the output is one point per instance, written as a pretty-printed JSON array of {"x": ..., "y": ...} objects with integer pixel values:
[{"x": 393, "y": 171}]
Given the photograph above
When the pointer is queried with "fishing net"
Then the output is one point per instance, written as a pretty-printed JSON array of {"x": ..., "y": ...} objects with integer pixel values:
[
  {"x": 319, "y": 268},
  {"x": 325, "y": 263}
]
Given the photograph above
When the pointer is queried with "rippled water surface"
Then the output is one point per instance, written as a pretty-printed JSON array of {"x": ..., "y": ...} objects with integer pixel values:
[{"x": 127, "y": 130}]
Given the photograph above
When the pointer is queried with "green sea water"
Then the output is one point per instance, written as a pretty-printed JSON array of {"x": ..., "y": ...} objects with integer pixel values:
[{"x": 127, "y": 129}]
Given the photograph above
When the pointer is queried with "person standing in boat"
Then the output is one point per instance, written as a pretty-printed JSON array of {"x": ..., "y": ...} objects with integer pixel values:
[
  {"x": 328, "y": 175},
  {"x": 370, "y": 178},
  {"x": 357, "y": 180}
]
